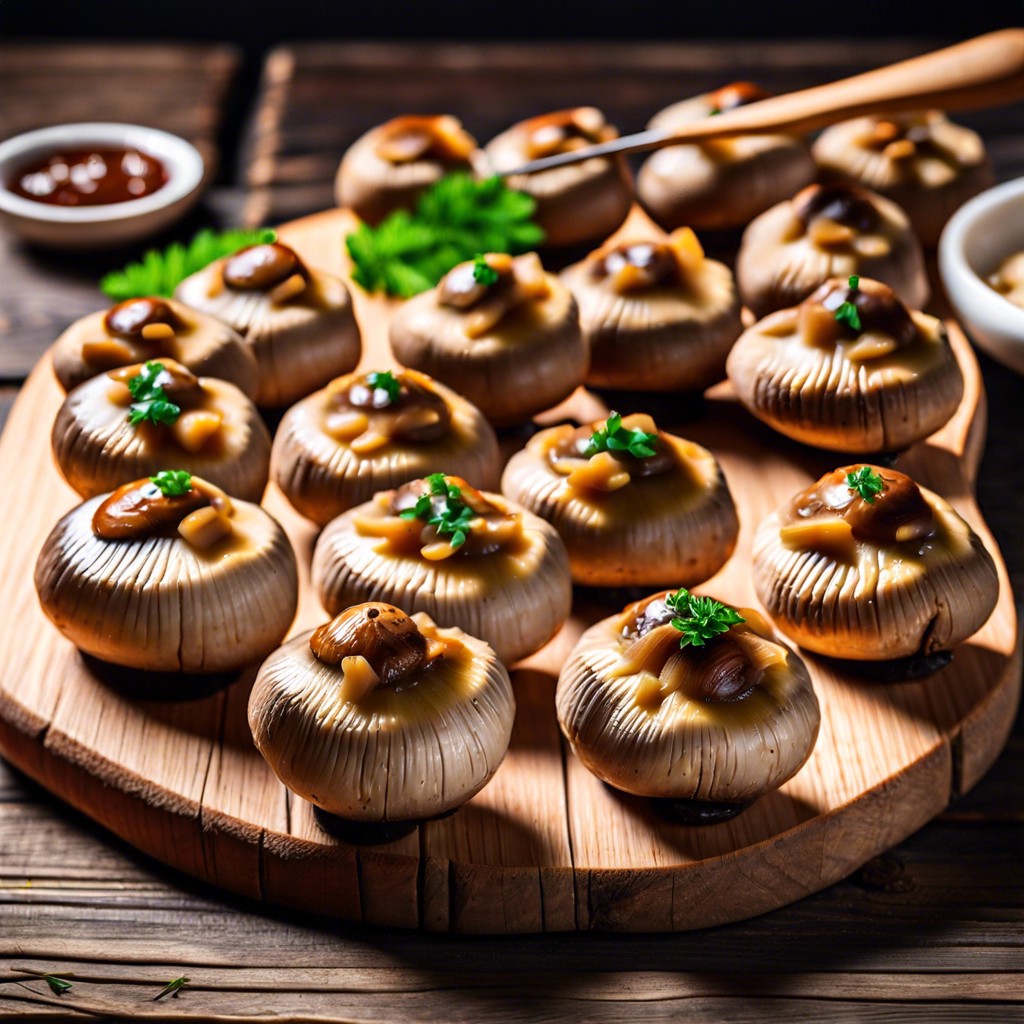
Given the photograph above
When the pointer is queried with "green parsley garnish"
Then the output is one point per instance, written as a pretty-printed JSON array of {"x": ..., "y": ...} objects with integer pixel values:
[
  {"x": 160, "y": 272},
  {"x": 847, "y": 313},
  {"x": 173, "y": 483},
  {"x": 455, "y": 516},
  {"x": 700, "y": 619},
  {"x": 867, "y": 483},
  {"x": 483, "y": 272},
  {"x": 172, "y": 988},
  {"x": 456, "y": 218},
  {"x": 151, "y": 404},
  {"x": 614, "y": 437},
  {"x": 385, "y": 380},
  {"x": 58, "y": 986}
]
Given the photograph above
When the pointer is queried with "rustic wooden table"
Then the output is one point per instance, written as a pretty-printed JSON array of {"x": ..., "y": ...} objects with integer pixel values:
[{"x": 929, "y": 932}]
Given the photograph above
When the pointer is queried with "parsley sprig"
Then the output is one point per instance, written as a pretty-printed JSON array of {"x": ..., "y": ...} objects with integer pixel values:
[
  {"x": 455, "y": 515},
  {"x": 58, "y": 986},
  {"x": 700, "y": 619},
  {"x": 172, "y": 988},
  {"x": 456, "y": 218},
  {"x": 173, "y": 483},
  {"x": 614, "y": 437},
  {"x": 151, "y": 404},
  {"x": 848, "y": 313},
  {"x": 386, "y": 381},
  {"x": 159, "y": 272},
  {"x": 866, "y": 482},
  {"x": 483, "y": 272}
]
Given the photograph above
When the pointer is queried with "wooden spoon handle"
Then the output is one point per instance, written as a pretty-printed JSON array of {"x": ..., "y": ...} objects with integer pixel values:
[{"x": 985, "y": 71}]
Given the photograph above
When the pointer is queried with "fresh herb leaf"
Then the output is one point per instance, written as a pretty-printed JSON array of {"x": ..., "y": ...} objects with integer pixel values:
[
  {"x": 58, "y": 986},
  {"x": 173, "y": 483},
  {"x": 160, "y": 272},
  {"x": 700, "y": 619},
  {"x": 386, "y": 381},
  {"x": 151, "y": 404},
  {"x": 483, "y": 272},
  {"x": 455, "y": 219},
  {"x": 614, "y": 437},
  {"x": 172, "y": 988},
  {"x": 867, "y": 483},
  {"x": 848, "y": 313},
  {"x": 453, "y": 516}
]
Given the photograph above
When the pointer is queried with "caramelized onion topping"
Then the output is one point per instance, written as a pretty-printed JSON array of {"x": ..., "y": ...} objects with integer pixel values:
[
  {"x": 140, "y": 509},
  {"x": 261, "y": 267},
  {"x": 648, "y": 263},
  {"x": 879, "y": 308},
  {"x": 845, "y": 204},
  {"x": 387, "y": 638},
  {"x": 127, "y": 319},
  {"x": 574, "y": 446},
  {"x": 565, "y": 130},
  {"x": 411, "y": 138},
  {"x": 181, "y": 386},
  {"x": 898, "y": 514},
  {"x": 419, "y": 414}
]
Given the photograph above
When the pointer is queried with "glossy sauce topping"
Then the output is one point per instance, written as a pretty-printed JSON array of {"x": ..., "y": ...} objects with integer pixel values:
[
  {"x": 897, "y": 514},
  {"x": 736, "y": 94},
  {"x": 368, "y": 410},
  {"x": 411, "y": 138},
  {"x": 262, "y": 267},
  {"x": 128, "y": 319},
  {"x": 565, "y": 130},
  {"x": 89, "y": 177},
  {"x": 643, "y": 264},
  {"x": 848, "y": 205},
  {"x": 880, "y": 315},
  {"x": 573, "y": 446}
]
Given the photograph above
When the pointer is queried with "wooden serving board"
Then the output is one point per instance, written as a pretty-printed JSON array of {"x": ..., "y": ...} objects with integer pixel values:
[{"x": 545, "y": 846}]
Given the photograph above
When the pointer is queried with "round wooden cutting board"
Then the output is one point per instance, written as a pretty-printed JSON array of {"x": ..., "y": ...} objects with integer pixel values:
[{"x": 545, "y": 846}]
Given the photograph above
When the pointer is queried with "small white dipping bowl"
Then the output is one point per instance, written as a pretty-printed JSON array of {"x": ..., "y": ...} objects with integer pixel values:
[
  {"x": 110, "y": 224},
  {"x": 978, "y": 237}
]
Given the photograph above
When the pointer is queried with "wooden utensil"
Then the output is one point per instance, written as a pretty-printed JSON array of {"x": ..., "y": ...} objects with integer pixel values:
[{"x": 982, "y": 72}]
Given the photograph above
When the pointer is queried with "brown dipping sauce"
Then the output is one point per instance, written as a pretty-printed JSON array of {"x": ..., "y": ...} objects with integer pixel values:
[{"x": 89, "y": 177}]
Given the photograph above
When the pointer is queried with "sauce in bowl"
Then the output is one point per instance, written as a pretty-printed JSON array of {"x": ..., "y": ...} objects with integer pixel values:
[{"x": 97, "y": 176}]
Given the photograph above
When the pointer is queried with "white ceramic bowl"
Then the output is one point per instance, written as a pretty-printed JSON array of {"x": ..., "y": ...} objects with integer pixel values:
[
  {"x": 978, "y": 237},
  {"x": 81, "y": 227}
]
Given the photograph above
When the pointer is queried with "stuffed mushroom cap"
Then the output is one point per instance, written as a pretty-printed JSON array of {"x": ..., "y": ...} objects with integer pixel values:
[
  {"x": 577, "y": 203},
  {"x": 136, "y": 420},
  {"x": 657, "y": 315},
  {"x": 924, "y": 162},
  {"x": 390, "y": 166},
  {"x": 635, "y": 506},
  {"x": 369, "y": 432},
  {"x": 824, "y": 231},
  {"x": 151, "y": 327},
  {"x": 722, "y": 720},
  {"x": 500, "y": 331},
  {"x": 297, "y": 320},
  {"x": 382, "y": 716},
  {"x": 169, "y": 574},
  {"x": 720, "y": 183},
  {"x": 866, "y": 564},
  {"x": 467, "y": 558},
  {"x": 850, "y": 369}
]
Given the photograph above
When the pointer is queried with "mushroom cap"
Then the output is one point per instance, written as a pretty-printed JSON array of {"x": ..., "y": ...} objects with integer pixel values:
[
  {"x": 372, "y": 186},
  {"x": 877, "y": 600},
  {"x": 204, "y": 344},
  {"x": 159, "y": 604},
  {"x": 720, "y": 183},
  {"x": 674, "y": 527},
  {"x": 322, "y": 476},
  {"x": 405, "y": 752},
  {"x": 785, "y": 254},
  {"x": 832, "y": 394},
  {"x": 531, "y": 360},
  {"x": 514, "y": 599},
  {"x": 671, "y": 336},
  {"x": 577, "y": 203},
  {"x": 924, "y": 162},
  {"x": 97, "y": 449},
  {"x": 300, "y": 342},
  {"x": 679, "y": 745}
]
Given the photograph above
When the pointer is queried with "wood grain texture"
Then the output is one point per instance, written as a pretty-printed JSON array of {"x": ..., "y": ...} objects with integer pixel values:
[
  {"x": 544, "y": 846},
  {"x": 180, "y": 88}
]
